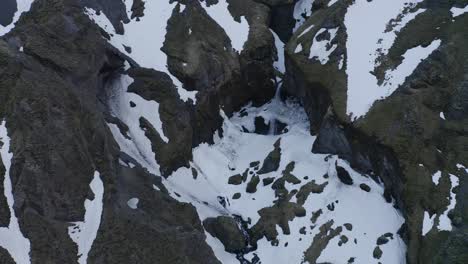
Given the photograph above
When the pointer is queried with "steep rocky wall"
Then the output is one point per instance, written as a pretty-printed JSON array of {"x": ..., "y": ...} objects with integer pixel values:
[{"x": 402, "y": 138}]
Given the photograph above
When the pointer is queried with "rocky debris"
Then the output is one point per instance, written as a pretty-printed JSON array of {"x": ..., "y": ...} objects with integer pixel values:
[
  {"x": 194, "y": 173},
  {"x": 260, "y": 126},
  {"x": 268, "y": 181},
  {"x": 307, "y": 189},
  {"x": 279, "y": 214},
  {"x": 321, "y": 240},
  {"x": 316, "y": 215},
  {"x": 138, "y": 9},
  {"x": 348, "y": 226},
  {"x": 343, "y": 175},
  {"x": 236, "y": 196},
  {"x": 343, "y": 240},
  {"x": 226, "y": 229},
  {"x": 377, "y": 253},
  {"x": 364, "y": 187},
  {"x": 272, "y": 161},
  {"x": 235, "y": 179},
  {"x": 252, "y": 185}
]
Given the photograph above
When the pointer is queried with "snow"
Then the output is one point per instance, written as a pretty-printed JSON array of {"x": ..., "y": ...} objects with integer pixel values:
[
  {"x": 302, "y": 7},
  {"x": 369, "y": 41},
  {"x": 298, "y": 48},
  {"x": 321, "y": 50},
  {"x": 305, "y": 31},
  {"x": 428, "y": 223},
  {"x": 145, "y": 37},
  {"x": 23, "y": 6},
  {"x": 457, "y": 11},
  {"x": 332, "y": 2},
  {"x": 279, "y": 63},
  {"x": 21, "y": 49},
  {"x": 436, "y": 177},
  {"x": 84, "y": 233},
  {"x": 11, "y": 237},
  {"x": 442, "y": 115},
  {"x": 133, "y": 203},
  {"x": 237, "y": 32},
  {"x": 445, "y": 224},
  {"x": 368, "y": 212},
  {"x": 120, "y": 105}
]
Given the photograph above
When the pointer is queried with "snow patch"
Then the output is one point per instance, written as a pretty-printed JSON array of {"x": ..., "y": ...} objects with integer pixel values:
[
  {"x": 133, "y": 203},
  {"x": 442, "y": 115},
  {"x": 11, "y": 237},
  {"x": 445, "y": 224},
  {"x": 457, "y": 11},
  {"x": 302, "y": 10},
  {"x": 321, "y": 49},
  {"x": 428, "y": 223},
  {"x": 145, "y": 36},
  {"x": 237, "y": 32},
  {"x": 23, "y": 6},
  {"x": 84, "y": 233},
  {"x": 364, "y": 47},
  {"x": 436, "y": 177}
]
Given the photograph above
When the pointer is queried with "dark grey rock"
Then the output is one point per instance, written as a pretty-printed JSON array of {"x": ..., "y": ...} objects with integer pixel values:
[{"x": 227, "y": 231}]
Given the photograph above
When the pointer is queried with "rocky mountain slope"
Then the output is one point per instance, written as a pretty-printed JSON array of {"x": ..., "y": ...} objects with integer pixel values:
[{"x": 234, "y": 131}]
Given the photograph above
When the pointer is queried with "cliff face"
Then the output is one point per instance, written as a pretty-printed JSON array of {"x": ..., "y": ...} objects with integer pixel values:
[{"x": 238, "y": 131}]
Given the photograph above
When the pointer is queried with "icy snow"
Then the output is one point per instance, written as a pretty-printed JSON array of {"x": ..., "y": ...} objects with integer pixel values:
[
  {"x": 298, "y": 48},
  {"x": 442, "y": 115},
  {"x": 332, "y": 2},
  {"x": 84, "y": 233},
  {"x": 237, "y": 32},
  {"x": 366, "y": 23},
  {"x": 145, "y": 37},
  {"x": 445, "y": 224},
  {"x": 428, "y": 223},
  {"x": 11, "y": 237},
  {"x": 23, "y": 6},
  {"x": 133, "y": 203},
  {"x": 436, "y": 177},
  {"x": 457, "y": 11},
  {"x": 279, "y": 63},
  {"x": 305, "y": 31},
  {"x": 321, "y": 49},
  {"x": 302, "y": 7}
]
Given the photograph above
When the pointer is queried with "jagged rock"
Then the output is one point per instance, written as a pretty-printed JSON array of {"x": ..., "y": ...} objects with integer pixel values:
[
  {"x": 307, "y": 189},
  {"x": 236, "y": 196},
  {"x": 260, "y": 126},
  {"x": 321, "y": 240},
  {"x": 343, "y": 175},
  {"x": 227, "y": 231},
  {"x": 364, "y": 187},
  {"x": 4, "y": 209},
  {"x": 272, "y": 161},
  {"x": 268, "y": 181},
  {"x": 377, "y": 253},
  {"x": 252, "y": 185},
  {"x": 5, "y": 257},
  {"x": 235, "y": 179}
]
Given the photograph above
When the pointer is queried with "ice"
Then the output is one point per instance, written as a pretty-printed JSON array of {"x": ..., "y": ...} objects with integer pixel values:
[
  {"x": 11, "y": 237},
  {"x": 84, "y": 233},
  {"x": 23, "y": 6}
]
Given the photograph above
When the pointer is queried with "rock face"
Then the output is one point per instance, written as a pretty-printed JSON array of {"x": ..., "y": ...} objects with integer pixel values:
[{"x": 238, "y": 114}]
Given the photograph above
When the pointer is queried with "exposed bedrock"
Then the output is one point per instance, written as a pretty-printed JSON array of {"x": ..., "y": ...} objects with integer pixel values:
[
  {"x": 403, "y": 139},
  {"x": 52, "y": 101}
]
